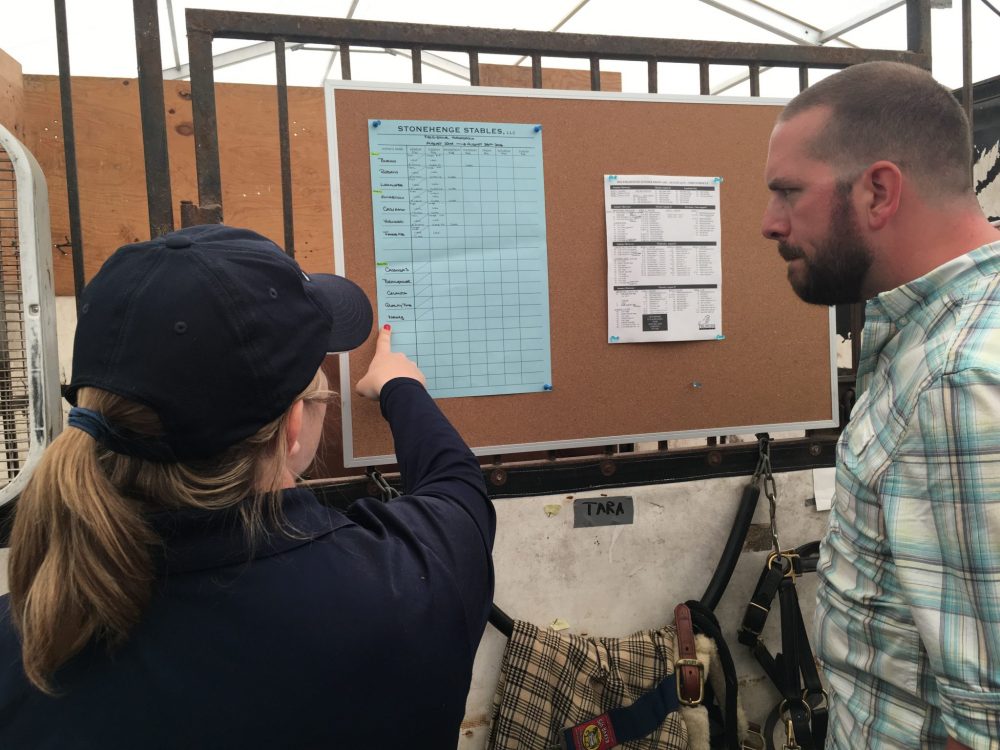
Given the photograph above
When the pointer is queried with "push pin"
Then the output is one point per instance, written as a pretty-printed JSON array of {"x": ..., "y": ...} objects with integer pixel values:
[
  {"x": 538, "y": 128},
  {"x": 695, "y": 384},
  {"x": 376, "y": 123},
  {"x": 546, "y": 387}
]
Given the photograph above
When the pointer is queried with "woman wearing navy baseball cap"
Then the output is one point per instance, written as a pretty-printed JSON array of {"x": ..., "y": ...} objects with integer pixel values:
[{"x": 170, "y": 586}]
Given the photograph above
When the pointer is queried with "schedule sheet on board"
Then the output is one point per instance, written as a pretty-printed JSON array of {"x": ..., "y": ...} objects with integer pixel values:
[
  {"x": 664, "y": 258},
  {"x": 460, "y": 252}
]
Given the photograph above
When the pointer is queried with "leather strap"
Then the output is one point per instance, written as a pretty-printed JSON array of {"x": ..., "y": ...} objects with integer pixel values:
[
  {"x": 689, "y": 671},
  {"x": 760, "y": 604},
  {"x": 706, "y": 623},
  {"x": 621, "y": 725},
  {"x": 803, "y": 712}
]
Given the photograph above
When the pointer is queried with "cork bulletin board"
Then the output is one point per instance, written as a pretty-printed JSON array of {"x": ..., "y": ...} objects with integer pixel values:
[{"x": 774, "y": 370}]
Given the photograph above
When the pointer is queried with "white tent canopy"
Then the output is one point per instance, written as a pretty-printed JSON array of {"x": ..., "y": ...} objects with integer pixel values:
[{"x": 102, "y": 37}]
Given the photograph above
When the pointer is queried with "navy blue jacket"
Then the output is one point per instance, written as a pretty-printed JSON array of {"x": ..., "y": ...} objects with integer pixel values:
[{"x": 358, "y": 632}]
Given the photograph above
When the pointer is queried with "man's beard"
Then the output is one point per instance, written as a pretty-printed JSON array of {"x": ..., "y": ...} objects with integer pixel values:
[{"x": 836, "y": 272}]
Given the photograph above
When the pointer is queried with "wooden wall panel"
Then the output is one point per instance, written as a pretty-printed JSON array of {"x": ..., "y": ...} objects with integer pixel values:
[
  {"x": 518, "y": 76},
  {"x": 11, "y": 95},
  {"x": 112, "y": 177},
  {"x": 109, "y": 166},
  {"x": 111, "y": 172}
]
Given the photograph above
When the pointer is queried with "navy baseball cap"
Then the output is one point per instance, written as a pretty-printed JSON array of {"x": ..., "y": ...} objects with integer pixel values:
[{"x": 215, "y": 329}]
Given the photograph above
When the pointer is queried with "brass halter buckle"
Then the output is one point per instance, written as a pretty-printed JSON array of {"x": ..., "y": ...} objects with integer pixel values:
[
  {"x": 791, "y": 556},
  {"x": 678, "y": 681}
]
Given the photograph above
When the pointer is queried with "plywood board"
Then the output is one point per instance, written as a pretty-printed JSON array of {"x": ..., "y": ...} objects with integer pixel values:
[
  {"x": 518, "y": 76},
  {"x": 110, "y": 164},
  {"x": 11, "y": 95}
]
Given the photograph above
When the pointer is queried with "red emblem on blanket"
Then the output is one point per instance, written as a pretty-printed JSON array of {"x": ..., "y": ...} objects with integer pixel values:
[{"x": 596, "y": 734}]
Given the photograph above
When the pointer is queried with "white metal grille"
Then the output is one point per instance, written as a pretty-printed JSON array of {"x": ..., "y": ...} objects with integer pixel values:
[
  {"x": 14, "y": 425},
  {"x": 30, "y": 413}
]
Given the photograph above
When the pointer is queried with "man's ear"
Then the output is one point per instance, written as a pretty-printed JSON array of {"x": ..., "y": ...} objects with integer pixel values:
[
  {"x": 881, "y": 192},
  {"x": 293, "y": 426}
]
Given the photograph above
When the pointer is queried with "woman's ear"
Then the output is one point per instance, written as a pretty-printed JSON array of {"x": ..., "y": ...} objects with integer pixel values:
[{"x": 293, "y": 428}]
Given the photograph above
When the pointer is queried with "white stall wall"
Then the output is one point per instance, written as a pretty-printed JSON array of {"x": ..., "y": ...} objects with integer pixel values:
[{"x": 614, "y": 580}]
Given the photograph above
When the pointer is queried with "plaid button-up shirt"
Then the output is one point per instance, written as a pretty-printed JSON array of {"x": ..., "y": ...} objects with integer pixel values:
[{"x": 908, "y": 623}]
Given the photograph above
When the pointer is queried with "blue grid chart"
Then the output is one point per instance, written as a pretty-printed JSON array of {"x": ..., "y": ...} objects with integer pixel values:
[{"x": 460, "y": 250}]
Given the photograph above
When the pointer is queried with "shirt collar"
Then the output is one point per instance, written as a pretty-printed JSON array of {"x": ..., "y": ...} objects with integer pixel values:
[
  {"x": 205, "y": 539},
  {"x": 898, "y": 304}
]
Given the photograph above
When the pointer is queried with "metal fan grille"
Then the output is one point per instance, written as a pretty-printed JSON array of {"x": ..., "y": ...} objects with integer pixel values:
[{"x": 14, "y": 426}]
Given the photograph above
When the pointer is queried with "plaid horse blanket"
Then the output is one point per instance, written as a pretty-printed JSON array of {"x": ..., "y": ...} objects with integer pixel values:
[{"x": 550, "y": 681}]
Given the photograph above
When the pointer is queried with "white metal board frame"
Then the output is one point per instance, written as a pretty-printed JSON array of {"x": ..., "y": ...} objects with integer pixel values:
[
  {"x": 34, "y": 239},
  {"x": 350, "y": 460}
]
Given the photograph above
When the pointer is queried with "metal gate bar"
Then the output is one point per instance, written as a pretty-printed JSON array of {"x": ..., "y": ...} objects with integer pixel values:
[
  {"x": 205, "y": 25},
  {"x": 69, "y": 149},
  {"x": 154, "y": 126}
]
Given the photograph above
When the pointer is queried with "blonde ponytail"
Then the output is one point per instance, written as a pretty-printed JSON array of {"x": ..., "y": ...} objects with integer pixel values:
[{"x": 81, "y": 564}]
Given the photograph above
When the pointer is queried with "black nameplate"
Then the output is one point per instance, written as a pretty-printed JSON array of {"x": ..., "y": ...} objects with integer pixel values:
[{"x": 603, "y": 511}]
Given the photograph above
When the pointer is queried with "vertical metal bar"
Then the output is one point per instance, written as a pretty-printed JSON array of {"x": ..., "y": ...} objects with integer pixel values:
[
  {"x": 418, "y": 72},
  {"x": 967, "y": 59},
  {"x": 154, "y": 120},
  {"x": 206, "y": 136},
  {"x": 754, "y": 79},
  {"x": 69, "y": 149},
  {"x": 918, "y": 27},
  {"x": 536, "y": 71},
  {"x": 345, "y": 61},
  {"x": 595, "y": 73},
  {"x": 286, "y": 157},
  {"x": 473, "y": 68},
  {"x": 652, "y": 71},
  {"x": 11, "y": 449},
  {"x": 706, "y": 87},
  {"x": 803, "y": 78}
]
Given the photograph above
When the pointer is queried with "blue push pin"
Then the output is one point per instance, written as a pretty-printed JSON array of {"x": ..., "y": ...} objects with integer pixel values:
[
  {"x": 696, "y": 384},
  {"x": 538, "y": 128},
  {"x": 546, "y": 387},
  {"x": 376, "y": 123}
]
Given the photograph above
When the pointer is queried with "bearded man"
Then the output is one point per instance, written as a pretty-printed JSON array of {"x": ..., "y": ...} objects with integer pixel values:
[{"x": 871, "y": 200}]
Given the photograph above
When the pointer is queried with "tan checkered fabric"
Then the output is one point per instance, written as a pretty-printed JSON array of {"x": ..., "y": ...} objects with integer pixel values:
[{"x": 550, "y": 681}]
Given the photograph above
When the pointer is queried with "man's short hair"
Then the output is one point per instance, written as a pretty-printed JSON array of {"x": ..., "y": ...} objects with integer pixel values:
[{"x": 896, "y": 112}]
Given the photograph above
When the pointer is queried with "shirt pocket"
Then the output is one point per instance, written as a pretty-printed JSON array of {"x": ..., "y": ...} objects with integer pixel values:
[
  {"x": 862, "y": 448},
  {"x": 859, "y": 431},
  {"x": 859, "y": 436},
  {"x": 971, "y": 710}
]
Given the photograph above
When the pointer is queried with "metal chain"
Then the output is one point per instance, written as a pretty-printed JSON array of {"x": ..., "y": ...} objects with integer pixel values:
[
  {"x": 386, "y": 491},
  {"x": 764, "y": 479}
]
